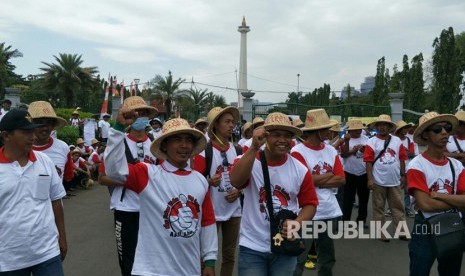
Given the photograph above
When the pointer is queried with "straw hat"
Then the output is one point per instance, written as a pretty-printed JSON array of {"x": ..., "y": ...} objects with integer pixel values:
[
  {"x": 43, "y": 109},
  {"x": 199, "y": 121},
  {"x": 317, "y": 119},
  {"x": 297, "y": 123},
  {"x": 137, "y": 102},
  {"x": 94, "y": 141},
  {"x": 280, "y": 121},
  {"x": 401, "y": 124},
  {"x": 173, "y": 127},
  {"x": 216, "y": 112},
  {"x": 246, "y": 126},
  {"x": 76, "y": 150},
  {"x": 460, "y": 115},
  {"x": 354, "y": 125},
  {"x": 336, "y": 127},
  {"x": 256, "y": 121},
  {"x": 384, "y": 118},
  {"x": 79, "y": 141},
  {"x": 75, "y": 112},
  {"x": 430, "y": 119}
]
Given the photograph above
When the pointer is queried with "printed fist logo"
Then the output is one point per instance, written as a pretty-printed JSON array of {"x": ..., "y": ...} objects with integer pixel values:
[
  {"x": 182, "y": 216},
  {"x": 280, "y": 199},
  {"x": 58, "y": 171},
  {"x": 442, "y": 186},
  {"x": 388, "y": 157},
  {"x": 225, "y": 185},
  {"x": 322, "y": 168}
]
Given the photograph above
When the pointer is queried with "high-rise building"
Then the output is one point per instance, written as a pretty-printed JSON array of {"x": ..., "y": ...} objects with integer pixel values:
[{"x": 368, "y": 85}]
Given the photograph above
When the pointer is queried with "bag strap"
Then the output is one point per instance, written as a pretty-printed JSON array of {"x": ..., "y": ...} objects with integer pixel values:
[
  {"x": 208, "y": 159},
  {"x": 453, "y": 175},
  {"x": 386, "y": 144},
  {"x": 457, "y": 144},
  {"x": 130, "y": 159},
  {"x": 266, "y": 180}
]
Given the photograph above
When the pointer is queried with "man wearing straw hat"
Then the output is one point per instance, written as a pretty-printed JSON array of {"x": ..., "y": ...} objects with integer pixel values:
[
  {"x": 431, "y": 183},
  {"x": 456, "y": 146},
  {"x": 125, "y": 203},
  {"x": 177, "y": 222},
  {"x": 156, "y": 126},
  {"x": 355, "y": 171},
  {"x": 43, "y": 113},
  {"x": 385, "y": 162},
  {"x": 202, "y": 125},
  {"x": 32, "y": 228},
  {"x": 214, "y": 162},
  {"x": 246, "y": 134},
  {"x": 411, "y": 148},
  {"x": 256, "y": 123},
  {"x": 291, "y": 189},
  {"x": 324, "y": 164}
]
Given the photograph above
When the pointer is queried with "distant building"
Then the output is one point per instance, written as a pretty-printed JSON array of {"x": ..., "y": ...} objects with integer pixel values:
[
  {"x": 353, "y": 92},
  {"x": 368, "y": 85}
]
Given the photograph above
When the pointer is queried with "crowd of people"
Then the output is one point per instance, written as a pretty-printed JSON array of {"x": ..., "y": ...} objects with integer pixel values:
[{"x": 175, "y": 187}]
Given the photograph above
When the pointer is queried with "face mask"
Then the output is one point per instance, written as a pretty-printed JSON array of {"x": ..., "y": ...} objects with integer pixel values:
[{"x": 140, "y": 123}]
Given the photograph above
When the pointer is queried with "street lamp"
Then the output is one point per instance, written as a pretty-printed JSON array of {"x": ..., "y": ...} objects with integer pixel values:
[
  {"x": 298, "y": 80},
  {"x": 136, "y": 81}
]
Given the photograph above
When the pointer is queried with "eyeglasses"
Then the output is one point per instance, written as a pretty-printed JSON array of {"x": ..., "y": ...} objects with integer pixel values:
[
  {"x": 438, "y": 128},
  {"x": 140, "y": 150},
  {"x": 225, "y": 159}
]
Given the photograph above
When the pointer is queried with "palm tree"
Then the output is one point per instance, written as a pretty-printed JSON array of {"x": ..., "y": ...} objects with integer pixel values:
[
  {"x": 168, "y": 88},
  {"x": 6, "y": 67},
  {"x": 199, "y": 100},
  {"x": 68, "y": 77}
]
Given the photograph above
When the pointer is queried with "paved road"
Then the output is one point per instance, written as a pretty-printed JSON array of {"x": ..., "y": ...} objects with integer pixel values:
[{"x": 92, "y": 249}]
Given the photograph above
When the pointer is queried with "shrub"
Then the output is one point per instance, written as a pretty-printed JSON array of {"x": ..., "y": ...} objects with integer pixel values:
[{"x": 68, "y": 134}]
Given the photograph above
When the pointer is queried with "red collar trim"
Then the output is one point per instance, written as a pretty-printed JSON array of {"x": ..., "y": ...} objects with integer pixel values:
[
  {"x": 135, "y": 139},
  {"x": 4, "y": 159},
  {"x": 43, "y": 147},
  {"x": 438, "y": 163},
  {"x": 220, "y": 149},
  {"x": 312, "y": 147},
  {"x": 273, "y": 163},
  {"x": 172, "y": 169}
]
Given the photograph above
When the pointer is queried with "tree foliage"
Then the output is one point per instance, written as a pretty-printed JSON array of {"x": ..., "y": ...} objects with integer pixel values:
[
  {"x": 7, "y": 75},
  {"x": 167, "y": 88}
]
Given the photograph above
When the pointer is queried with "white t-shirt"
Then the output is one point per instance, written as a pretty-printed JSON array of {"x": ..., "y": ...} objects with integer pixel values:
[
  {"x": 105, "y": 127},
  {"x": 354, "y": 164},
  {"x": 321, "y": 160},
  {"x": 386, "y": 170},
  {"x": 452, "y": 146},
  {"x": 74, "y": 122},
  {"x": 90, "y": 126},
  {"x": 291, "y": 187},
  {"x": 28, "y": 233},
  {"x": 155, "y": 133},
  {"x": 58, "y": 151},
  {"x": 223, "y": 209}
]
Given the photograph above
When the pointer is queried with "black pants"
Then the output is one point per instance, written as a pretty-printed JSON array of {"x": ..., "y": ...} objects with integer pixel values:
[
  {"x": 126, "y": 230},
  {"x": 355, "y": 184}
]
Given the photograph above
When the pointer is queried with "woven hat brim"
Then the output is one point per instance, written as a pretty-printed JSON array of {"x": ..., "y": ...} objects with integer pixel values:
[
  {"x": 441, "y": 118},
  {"x": 59, "y": 122},
  {"x": 152, "y": 110},
  {"x": 401, "y": 127},
  {"x": 294, "y": 130},
  {"x": 198, "y": 148},
  {"x": 328, "y": 125},
  {"x": 230, "y": 109},
  {"x": 356, "y": 128},
  {"x": 393, "y": 125}
]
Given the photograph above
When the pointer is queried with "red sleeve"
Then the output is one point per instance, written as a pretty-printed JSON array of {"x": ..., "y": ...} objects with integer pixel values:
[
  {"x": 199, "y": 164},
  {"x": 95, "y": 159},
  {"x": 68, "y": 174},
  {"x": 299, "y": 157},
  {"x": 402, "y": 153},
  {"x": 461, "y": 183},
  {"x": 208, "y": 216},
  {"x": 101, "y": 169},
  {"x": 369, "y": 155},
  {"x": 411, "y": 147},
  {"x": 307, "y": 194},
  {"x": 82, "y": 164},
  {"x": 338, "y": 168},
  {"x": 244, "y": 149},
  {"x": 417, "y": 180},
  {"x": 138, "y": 177}
]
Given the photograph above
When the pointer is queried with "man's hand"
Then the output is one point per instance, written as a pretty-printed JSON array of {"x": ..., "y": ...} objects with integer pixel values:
[
  {"x": 286, "y": 230},
  {"x": 232, "y": 195},
  {"x": 346, "y": 137},
  {"x": 259, "y": 138},
  {"x": 370, "y": 184},
  {"x": 63, "y": 248},
  {"x": 215, "y": 180},
  {"x": 208, "y": 271},
  {"x": 126, "y": 116}
]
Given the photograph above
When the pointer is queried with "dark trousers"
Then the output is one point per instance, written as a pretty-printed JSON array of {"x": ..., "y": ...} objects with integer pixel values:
[
  {"x": 126, "y": 231},
  {"x": 355, "y": 185}
]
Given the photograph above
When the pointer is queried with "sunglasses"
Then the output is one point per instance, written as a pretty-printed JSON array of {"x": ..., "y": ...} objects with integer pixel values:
[
  {"x": 225, "y": 159},
  {"x": 438, "y": 128},
  {"x": 140, "y": 150}
]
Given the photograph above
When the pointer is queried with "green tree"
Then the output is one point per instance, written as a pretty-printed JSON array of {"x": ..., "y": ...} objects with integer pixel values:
[
  {"x": 7, "y": 76},
  {"x": 199, "y": 101},
  {"x": 167, "y": 88},
  {"x": 446, "y": 72},
  {"x": 68, "y": 78},
  {"x": 381, "y": 89}
]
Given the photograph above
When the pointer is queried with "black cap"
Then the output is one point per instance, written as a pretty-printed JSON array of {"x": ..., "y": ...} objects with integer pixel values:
[{"x": 17, "y": 119}]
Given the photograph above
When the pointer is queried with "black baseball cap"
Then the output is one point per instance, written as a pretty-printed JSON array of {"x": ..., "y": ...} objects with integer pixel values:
[{"x": 17, "y": 119}]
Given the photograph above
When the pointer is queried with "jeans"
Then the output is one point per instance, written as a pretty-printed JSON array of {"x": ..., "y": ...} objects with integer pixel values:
[
  {"x": 254, "y": 263},
  {"x": 51, "y": 267},
  {"x": 422, "y": 256},
  {"x": 355, "y": 184}
]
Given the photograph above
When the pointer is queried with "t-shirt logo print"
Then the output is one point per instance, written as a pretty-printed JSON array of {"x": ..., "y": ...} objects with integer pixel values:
[
  {"x": 225, "y": 185},
  {"x": 280, "y": 199},
  {"x": 181, "y": 216},
  {"x": 322, "y": 168},
  {"x": 388, "y": 157},
  {"x": 442, "y": 186}
]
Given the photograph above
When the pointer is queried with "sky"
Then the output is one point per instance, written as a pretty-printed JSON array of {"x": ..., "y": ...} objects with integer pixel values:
[{"x": 337, "y": 42}]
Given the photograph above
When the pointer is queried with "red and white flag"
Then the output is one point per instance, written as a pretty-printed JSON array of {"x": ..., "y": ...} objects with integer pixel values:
[
  {"x": 114, "y": 92},
  {"x": 121, "y": 91},
  {"x": 105, "y": 101}
]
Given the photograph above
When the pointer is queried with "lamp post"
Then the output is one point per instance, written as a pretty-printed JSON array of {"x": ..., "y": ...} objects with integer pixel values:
[
  {"x": 136, "y": 81},
  {"x": 298, "y": 80}
]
